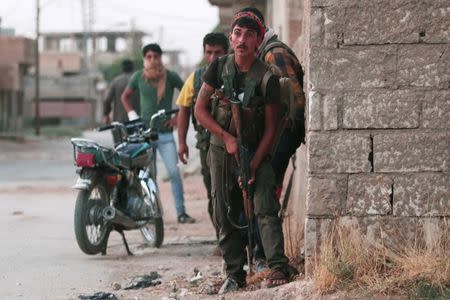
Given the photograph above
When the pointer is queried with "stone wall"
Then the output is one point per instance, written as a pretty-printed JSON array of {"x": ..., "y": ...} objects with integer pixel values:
[{"x": 378, "y": 117}]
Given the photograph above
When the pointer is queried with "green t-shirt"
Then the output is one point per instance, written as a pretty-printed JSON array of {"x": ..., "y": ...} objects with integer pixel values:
[{"x": 147, "y": 94}]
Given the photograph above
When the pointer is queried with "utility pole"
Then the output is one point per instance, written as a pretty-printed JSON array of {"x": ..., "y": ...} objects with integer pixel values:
[
  {"x": 87, "y": 19},
  {"x": 37, "y": 112}
]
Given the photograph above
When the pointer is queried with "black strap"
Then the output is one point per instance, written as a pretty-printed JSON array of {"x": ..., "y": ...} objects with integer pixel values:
[
  {"x": 197, "y": 85},
  {"x": 275, "y": 43},
  {"x": 284, "y": 204}
]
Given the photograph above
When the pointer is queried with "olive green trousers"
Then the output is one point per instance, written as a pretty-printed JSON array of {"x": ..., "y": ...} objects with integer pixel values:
[{"x": 228, "y": 209}]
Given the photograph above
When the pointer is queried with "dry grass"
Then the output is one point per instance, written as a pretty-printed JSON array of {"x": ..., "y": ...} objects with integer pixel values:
[
  {"x": 293, "y": 242},
  {"x": 348, "y": 261}
]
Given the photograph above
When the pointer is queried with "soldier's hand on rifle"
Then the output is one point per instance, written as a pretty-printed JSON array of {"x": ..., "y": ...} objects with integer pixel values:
[
  {"x": 250, "y": 182},
  {"x": 231, "y": 145},
  {"x": 183, "y": 152},
  {"x": 253, "y": 168},
  {"x": 252, "y": 178}
]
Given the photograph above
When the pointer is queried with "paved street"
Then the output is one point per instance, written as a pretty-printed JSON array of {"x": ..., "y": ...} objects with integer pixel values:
[{"x": 39, "y": 257}]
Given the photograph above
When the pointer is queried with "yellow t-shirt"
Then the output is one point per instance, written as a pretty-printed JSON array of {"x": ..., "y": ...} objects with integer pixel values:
[{"x": 187, "y": 92}]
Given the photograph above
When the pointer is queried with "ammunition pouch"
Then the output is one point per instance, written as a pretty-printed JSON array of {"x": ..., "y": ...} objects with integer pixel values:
[{"x": 203, "y": 137}]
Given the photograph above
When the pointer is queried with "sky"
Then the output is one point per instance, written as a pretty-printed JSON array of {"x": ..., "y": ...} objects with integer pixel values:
[{"x": 175, "y": 24}]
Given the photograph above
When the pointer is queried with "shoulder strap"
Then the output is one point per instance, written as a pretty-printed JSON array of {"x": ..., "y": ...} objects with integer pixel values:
[
  {"x": 276, "y": 44},
  {"x": 258, "y": 74},
  {"x": 257, "y": 70},
  {"x": 198, "y": 80},
  {"x": 264, "y": 82},
  {"x": 279, "y": 44},
  {"x": 226, "y": 69},
  {"x": 284, "y": 204}
]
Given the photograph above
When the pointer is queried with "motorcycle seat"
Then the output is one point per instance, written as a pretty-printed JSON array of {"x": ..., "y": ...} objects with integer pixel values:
[
  {"x": 134, "y": 155},
  {"x": 133, "y": 150}
]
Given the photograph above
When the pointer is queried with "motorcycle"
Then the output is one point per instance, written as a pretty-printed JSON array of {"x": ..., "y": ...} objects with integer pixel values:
[{"x": 117, "y": 186}]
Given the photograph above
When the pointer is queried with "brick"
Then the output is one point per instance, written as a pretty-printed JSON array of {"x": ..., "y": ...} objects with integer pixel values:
[
  {"x": 310, "y": 245},
  {"x": 321, "y": 3},
  {"x": 353, "y": 68},
  {"x": 382, "y": 109},
  {"x": 316, "y": 27},
  {"x": 316, "y": 231},
  {"x": 436, "y": 110},
  {"x": 330, "y": 112},
  {"x": 340, "y": 3},
  {"x": 422, "y": 195},
  {"x": 397, "y": 21},
  {"x": 423, "y": 66},
  {"x": 388, "y": 231},
  {"x": 310, "y": 236},
  {"x": 437, "y": 30},
  {"x": 326, "y": 195},
  {"x": 334, "y": 23},
  {"x": 369, "y": 195},
  {"x": 411, "y": 151},
  {"x": 315, "y": 111},
  {"x": 340, "y": 152},
  {"x": 395, "y": 231}
]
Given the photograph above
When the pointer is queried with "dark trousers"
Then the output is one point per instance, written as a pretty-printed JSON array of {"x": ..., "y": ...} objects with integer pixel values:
[
  {"x": 227, "y": 208},
  {"x": 290, "y": 140},
  {"x": 206, "y": 174}
]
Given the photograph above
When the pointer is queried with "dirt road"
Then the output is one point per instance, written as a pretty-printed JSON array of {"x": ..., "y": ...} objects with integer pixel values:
[{"x": 39, "y": 257}]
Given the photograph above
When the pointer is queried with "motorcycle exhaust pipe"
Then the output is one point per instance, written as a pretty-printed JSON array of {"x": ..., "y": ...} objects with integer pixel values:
[{"x": 114, "y": 215}]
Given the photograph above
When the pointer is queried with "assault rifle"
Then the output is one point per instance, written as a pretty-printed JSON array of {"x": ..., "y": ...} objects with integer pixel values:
[{"x": 245, "y": 175}]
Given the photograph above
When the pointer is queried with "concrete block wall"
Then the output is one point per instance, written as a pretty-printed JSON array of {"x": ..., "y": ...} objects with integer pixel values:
[{"x": 378, "y": 107}]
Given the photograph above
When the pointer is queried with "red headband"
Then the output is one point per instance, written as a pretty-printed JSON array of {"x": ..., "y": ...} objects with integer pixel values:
[{"x": 247, "y": 14}]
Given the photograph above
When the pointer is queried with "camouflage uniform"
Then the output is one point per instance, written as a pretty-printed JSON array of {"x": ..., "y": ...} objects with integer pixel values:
[
  {"x": 226, "y": 194},
  {"x": 203, "y": 137}
]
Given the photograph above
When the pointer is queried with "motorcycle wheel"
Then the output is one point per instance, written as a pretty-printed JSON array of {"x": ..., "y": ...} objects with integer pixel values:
[
  {"x": 153, "y": 230},
  {"x": 91, "y": 231}
]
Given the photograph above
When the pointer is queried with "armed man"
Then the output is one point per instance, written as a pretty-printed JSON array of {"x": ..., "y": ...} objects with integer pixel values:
[
  {"x": 214, "y": 46},
  {"x": 243, "y": 115},
  {"x": 283, "y": 62}
]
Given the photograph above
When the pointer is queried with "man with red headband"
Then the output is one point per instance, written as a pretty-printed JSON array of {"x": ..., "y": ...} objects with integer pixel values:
[
  {"x": 283, "y": 62},
  {"x": 242, "y": 77}
]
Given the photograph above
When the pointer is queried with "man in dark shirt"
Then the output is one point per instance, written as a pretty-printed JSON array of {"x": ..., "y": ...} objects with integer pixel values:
[
  {"x": 116, "y": 88},
  {"x": 247, "y": 80}
]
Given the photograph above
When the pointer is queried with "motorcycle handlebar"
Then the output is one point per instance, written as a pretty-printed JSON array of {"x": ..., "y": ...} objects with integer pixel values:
[
  {"x": 106, "y": 127},
  {"x": 171, "y": 111},
  {"x": 130, "y": 125}
]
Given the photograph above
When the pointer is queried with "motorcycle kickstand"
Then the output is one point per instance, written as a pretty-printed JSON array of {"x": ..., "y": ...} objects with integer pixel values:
[
  {"x": 106, "y": 245},
  {"x": 125, "y": 242}
]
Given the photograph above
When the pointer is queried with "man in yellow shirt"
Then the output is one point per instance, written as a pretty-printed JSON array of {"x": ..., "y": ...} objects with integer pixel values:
[{"x": 214, "y": 46}]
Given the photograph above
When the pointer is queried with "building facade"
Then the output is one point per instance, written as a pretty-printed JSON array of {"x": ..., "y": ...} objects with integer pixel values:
[
  {"x": 16, "y": 57},
  {"x": 377, "y": 154}
]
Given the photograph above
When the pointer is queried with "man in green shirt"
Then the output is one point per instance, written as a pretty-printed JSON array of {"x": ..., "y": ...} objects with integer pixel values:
[{"x": 156, "y": 85}]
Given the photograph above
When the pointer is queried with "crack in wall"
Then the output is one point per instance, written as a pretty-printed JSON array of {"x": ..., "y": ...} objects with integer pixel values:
[
  {"x": 391, "y": 200},
  {"x": 370, "y": 158}
]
